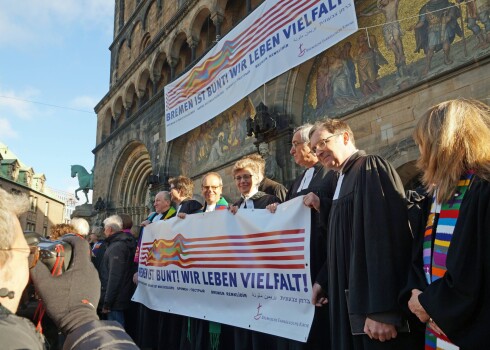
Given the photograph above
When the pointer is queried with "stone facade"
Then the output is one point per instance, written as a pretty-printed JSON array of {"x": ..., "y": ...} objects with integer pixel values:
[{"x": 156, "y": 41}]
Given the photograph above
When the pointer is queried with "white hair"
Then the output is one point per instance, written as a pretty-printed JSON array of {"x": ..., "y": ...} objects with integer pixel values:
[
  {"x": 10, "y": 206},
  {"x": 81, "y": 226},
  {"x": 114, "y": 222}
]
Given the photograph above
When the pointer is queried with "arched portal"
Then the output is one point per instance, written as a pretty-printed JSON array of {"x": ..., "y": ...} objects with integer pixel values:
[{"x": 128, "y": 190}]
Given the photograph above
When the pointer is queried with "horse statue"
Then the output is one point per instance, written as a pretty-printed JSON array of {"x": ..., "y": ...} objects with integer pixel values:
[{"x": 85, "y": 180}]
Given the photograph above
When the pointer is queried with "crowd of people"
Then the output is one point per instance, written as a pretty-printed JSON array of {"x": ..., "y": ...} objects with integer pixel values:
[{"x": 392, "y": 268}]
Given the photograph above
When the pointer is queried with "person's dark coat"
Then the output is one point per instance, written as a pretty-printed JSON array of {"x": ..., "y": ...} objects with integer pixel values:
[
  {"x": 116, "y": 271},
  {"x": 273, "y": 188},
  {"x": 19, "y": 333},
  {"x": 190, "y": 206}
]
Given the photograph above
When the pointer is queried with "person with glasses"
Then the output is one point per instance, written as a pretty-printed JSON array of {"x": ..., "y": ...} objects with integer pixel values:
[
  {"x": 449, "y": 283},
  {"x": 246, "y": 175},
  {"x": 368, "y": 245},
  {"x": 69, "y": 298},
  {"x": 317, "y": 181},
  {"x": 204, "y": 333},
  {"x": 211, "y": 189}
]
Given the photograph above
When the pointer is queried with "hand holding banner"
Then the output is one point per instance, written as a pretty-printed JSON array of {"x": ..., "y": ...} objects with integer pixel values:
[{"x": 249, "y": 270}]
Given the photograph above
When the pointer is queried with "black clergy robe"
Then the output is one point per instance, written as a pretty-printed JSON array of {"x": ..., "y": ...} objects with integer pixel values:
[
  {"x": 274, "y": 188},
  {"x": 245, "y": 339},
  {"x": 261, "y": 200},
  {"x": 459, "y": 302},
  {"x": 368, "y": 252},
  {"x": 323, "y": 185},
  {"x": 177, "y": 331}
]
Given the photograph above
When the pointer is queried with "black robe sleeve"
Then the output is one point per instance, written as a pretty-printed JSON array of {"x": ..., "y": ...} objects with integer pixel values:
[
  {"x": 381, "y": 244},
  {"x": 459, "y": 302}
]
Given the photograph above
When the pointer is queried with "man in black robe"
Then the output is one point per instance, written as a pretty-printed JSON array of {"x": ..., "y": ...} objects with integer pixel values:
[
  {"x": 368, "y": 245},
  {"x": 320, "y": 181}
]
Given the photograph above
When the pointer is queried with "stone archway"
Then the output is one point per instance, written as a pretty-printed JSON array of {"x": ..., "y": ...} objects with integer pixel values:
[{"x": 128, "y": 190}]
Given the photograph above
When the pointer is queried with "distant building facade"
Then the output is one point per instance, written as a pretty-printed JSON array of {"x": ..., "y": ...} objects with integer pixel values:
[
  {"x": 45, "y": 209},
  {"x": 68, "y": 198},
  {"x": 380, "y": 83}
]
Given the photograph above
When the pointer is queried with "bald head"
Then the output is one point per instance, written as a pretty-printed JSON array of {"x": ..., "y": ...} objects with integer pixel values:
[{"x": 211, "y": 187}]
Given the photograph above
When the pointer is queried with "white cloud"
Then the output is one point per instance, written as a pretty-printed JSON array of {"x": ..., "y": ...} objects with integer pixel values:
[
  {"x": 85, "y": 103},
  {"x": 34, "y": 22},
  {"x": 6, "y": 130},
  {"x": 16, "y": 103}
]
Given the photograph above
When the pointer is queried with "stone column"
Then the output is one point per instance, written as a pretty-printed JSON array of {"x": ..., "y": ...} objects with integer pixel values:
[
  {"x": 172, "y": 62},
  {"x": 217, "y": 19},
  {"x": 193, "y": 45}
]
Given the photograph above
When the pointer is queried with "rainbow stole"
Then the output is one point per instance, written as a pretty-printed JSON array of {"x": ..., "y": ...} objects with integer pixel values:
[{"x": 435, "y": 254}]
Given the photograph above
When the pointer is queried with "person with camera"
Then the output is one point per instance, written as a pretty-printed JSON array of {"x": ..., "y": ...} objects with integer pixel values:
[{"x": 69, "y": 298}]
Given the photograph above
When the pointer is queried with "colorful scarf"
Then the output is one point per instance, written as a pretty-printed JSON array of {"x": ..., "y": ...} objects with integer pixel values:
[{"x": 443, "y": 219}]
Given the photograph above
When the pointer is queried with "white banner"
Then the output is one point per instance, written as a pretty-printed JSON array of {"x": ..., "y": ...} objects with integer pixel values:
[
  {"x": 249, "y": 270},
  {"x": 277, "y": 36}
]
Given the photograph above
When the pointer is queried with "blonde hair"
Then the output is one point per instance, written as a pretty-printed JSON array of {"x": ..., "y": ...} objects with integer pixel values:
[
  {"x": 248, "y": 163},
  {"x": 59, "y": 230},
  {"x": 454, "y": 137}
]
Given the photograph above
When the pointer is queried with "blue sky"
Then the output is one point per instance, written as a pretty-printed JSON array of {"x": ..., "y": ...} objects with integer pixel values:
[{"x": 54, "y": 52}]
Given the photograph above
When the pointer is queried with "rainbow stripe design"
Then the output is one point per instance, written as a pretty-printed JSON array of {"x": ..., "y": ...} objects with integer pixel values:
[
  {"x": 233, "y": 51},
  {"x": 443, "y": 219},
  {"x": 272, "y": 250}
]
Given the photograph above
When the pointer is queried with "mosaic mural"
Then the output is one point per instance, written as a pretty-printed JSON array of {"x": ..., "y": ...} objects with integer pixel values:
[
  {"x": 218, "y": 141},
  {"x": 399, "y": 45}
]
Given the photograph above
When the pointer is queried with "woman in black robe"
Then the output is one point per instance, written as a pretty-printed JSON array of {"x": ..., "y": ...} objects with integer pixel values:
[
  {"x": 246, "y": 176},
  {"x": 449, "y": 284}
]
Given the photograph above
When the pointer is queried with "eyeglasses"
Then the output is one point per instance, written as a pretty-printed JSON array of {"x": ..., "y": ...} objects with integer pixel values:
[
  {"x": 33, "y": 252},
  {"x": 245, "y": 177},
  {"x": 212, "y": 188},
  {"x": 323, "y": 143},
  {"x": 296, "y": 144}
]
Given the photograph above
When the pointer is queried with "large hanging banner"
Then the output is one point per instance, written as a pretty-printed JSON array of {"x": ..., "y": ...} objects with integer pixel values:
[
  {"x": 249, "y": 270},
  {"x": 277, "y": 36}
]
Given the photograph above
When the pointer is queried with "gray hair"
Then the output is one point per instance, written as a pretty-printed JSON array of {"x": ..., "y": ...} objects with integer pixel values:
[
  {"x": 81, "y": 226},
  {"x": 165, "y": 195},
  {"x": 114, "y": 222},
  {"x": 304, "y": 132},
  {"x": 10, "y": 206}
]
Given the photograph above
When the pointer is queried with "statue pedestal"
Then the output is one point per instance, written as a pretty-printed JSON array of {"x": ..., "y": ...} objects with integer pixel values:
[{"x": 85, "y": 211}]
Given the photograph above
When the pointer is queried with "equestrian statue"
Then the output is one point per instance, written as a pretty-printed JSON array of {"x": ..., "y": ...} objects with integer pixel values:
[{"x": 85, "y": 180}]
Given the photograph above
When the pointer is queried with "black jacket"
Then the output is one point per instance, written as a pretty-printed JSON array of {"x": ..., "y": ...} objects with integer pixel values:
[
  {"x": 19, "y": 333},
  {"x": 190, "y": 206},
  {"x": 116, "y": 271}
]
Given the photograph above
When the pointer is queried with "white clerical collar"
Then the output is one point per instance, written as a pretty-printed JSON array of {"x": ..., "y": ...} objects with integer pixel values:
[
  {"x": 253, "y": 192},
  {"x": 157, "y": 217},
  {"x": 305, "y": 182},
  {"x": 210, "y": 207},
  {"x": 341, "y": 177}
]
